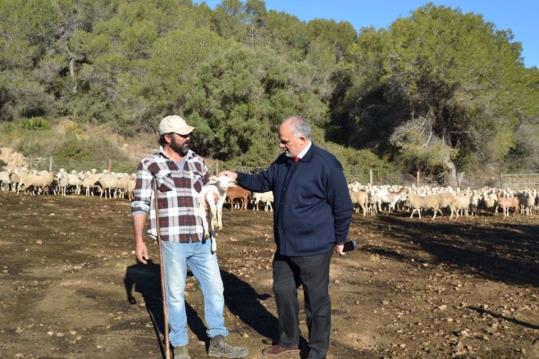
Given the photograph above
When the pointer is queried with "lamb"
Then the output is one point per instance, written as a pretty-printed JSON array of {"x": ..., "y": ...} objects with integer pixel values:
[{"x": 212, "y": 198}]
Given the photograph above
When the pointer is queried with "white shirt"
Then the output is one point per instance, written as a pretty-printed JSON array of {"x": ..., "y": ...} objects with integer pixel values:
[{"x": 305, "y": 150}]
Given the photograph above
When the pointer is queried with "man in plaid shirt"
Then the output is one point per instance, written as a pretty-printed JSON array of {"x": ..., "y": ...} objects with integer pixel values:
[{"x": 179, "y": 175}]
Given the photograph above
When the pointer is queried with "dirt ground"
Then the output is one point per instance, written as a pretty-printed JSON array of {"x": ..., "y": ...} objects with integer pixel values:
[{"x": 414, "y": 289}]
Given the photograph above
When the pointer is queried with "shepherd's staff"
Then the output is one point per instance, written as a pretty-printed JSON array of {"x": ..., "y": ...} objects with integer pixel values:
[{"x": 162, "y": 270}]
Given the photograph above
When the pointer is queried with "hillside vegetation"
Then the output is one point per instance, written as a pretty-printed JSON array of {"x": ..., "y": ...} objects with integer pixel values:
[{"x": 440, "y": 91}]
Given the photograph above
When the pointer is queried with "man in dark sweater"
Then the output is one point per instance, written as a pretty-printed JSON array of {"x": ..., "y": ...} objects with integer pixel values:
[{"x": 312, "y": 217}]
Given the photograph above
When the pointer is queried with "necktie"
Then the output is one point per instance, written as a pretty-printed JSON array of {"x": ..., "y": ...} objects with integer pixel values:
[{"x": 295, "y": 159}]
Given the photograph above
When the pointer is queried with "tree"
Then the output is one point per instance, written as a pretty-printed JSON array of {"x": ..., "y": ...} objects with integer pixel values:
[{"x": 454, "y": 69}]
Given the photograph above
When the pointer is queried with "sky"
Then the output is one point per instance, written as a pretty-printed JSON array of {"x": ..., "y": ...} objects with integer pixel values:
[{"x": 517, "y": 15}]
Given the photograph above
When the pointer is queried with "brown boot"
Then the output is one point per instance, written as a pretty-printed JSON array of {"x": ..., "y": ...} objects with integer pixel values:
[{"x": 276, "y": 350}]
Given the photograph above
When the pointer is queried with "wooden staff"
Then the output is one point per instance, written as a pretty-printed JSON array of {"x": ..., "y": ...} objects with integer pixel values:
[{"x": 162, "y": 270}]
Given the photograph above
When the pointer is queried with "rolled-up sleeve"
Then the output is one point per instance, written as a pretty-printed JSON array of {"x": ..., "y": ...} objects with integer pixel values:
[{"x": 143, "y": 190}]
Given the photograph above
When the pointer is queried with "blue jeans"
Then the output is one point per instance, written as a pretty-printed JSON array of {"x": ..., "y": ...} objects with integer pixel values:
[{"x": 203, "y": 264}]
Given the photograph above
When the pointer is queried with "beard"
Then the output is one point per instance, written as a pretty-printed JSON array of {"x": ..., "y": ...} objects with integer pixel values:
[{"x": 181, "y": 149}]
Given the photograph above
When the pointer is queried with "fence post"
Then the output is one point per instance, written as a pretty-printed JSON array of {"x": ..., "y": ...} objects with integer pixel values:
[
  {"x": 50, "y": 164},
  {"x": 110, "y": 164},
  {"x": 370, "y": 176},
  {"x": 417, "y": 178},
  {"x": 501, "y": 181}
]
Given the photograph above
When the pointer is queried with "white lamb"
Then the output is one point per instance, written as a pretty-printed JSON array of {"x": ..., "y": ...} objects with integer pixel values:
[{"x": 212, "y": 198}]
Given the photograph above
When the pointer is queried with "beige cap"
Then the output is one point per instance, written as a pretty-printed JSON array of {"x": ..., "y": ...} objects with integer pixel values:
[{"x": 174, "y": 123}]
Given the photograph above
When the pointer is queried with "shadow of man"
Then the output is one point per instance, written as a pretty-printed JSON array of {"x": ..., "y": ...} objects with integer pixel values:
[
  {"x": 146, "y": 280},
  {"x": 244, "y": 302}
]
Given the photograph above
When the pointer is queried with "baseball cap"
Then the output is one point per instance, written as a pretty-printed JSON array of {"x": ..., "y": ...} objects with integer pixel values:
[{"x": 174, "y": 123}]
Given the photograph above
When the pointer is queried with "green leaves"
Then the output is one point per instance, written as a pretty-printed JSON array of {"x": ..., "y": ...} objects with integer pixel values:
[{"x": 437, "y": 86}]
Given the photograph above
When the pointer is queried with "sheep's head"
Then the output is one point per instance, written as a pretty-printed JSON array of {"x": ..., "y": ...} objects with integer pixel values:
[{"x": 224, "y": 182}]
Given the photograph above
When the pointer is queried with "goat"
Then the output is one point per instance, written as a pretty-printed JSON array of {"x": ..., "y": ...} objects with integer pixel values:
[{"x": 240, "y": 194}]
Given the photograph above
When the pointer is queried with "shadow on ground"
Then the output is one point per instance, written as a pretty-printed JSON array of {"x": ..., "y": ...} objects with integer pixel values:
[{"x": 507, "y": 252}]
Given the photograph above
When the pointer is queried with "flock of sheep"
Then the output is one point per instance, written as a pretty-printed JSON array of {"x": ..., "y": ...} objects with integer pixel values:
[
  {"x": 370, "y": 199},
  {"x": 373, "y": 199},
  {"x": 106, "y": 184}
]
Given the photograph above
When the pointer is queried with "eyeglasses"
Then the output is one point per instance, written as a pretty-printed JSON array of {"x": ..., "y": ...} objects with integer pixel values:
[{"x": 183, "y": 136}]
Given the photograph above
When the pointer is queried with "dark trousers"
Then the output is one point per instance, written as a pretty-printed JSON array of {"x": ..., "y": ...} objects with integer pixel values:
[{"x": 312, "y": 273}]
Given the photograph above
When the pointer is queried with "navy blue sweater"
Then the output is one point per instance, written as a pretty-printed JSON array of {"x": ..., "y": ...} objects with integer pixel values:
[{"x": 312, "y": 209}]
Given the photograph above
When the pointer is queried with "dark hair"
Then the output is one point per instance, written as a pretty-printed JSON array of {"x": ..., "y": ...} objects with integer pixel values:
[{"x": 161, "y": 139}]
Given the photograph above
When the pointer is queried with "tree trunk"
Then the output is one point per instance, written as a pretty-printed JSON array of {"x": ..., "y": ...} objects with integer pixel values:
[
  {"x": 450, "y": 172},
  {"x": 72, "y": 73}
]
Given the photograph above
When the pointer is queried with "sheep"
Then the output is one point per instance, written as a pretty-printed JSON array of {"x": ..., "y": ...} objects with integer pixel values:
[
  {"x": 15, "y": 177},
  {"x": 61, "y": 181},
  {"x": 374, "y": 202},
  {"x": 490, "y": 201},
  {"x": 109, "y": 183},
  {"x": 474, "y": 202},
  {"x": 123, "y": 183},
  {"x": 89, "y": 182},
  {"x": 506, "y": 203},
  {"x": 444, "y": 200},
  {"x": 131, "y": 183},
  {"x": 390, "y": 198},
  {"x": 418, "y": 202},
  {"x": 264, "y": 197},
  {"x": 527, "y": 201},
  {"x": 460, "y": 204},
  {"x": 36, "y": 181},
  {"x": 360, "y": 198},
  {"x": 4, "y": 179}
]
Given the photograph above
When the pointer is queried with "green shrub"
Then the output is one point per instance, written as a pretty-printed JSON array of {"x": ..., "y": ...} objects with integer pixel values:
[
  {"x": 34, "y": 124},
  {"x": 85, "y": 154}
]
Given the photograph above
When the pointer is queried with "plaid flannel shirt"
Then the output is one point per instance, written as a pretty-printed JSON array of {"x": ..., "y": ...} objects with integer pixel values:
[{"x": 178, "y": 189}]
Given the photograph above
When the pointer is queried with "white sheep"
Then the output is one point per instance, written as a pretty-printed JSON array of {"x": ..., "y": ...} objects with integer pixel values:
[{"x": 265, "y": 197}]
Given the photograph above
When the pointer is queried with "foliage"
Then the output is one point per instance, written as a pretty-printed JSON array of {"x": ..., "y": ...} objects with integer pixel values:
[
  {"x": 439, "y": 74},
  {"x": 438, "y": 77}
]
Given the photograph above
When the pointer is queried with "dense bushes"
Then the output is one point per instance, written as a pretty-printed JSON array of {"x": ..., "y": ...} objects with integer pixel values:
[{"x": 439, "y": 91}]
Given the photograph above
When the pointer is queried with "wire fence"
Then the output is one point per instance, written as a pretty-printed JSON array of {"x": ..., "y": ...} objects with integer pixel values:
[
  {"x": 53, "y": 165},
  {"x": 353, "y": 174},
  {"x": 520, "y": 180}
]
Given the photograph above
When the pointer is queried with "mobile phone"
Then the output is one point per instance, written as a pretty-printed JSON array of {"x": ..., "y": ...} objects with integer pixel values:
[{"x": 349, "y": 245}]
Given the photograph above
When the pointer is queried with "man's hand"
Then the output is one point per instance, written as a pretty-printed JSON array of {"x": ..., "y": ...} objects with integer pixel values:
[
  {"x": 339, "y": 249},
  {"x": 230, "y": 174},
  {"x": 141, "y": 252}
]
